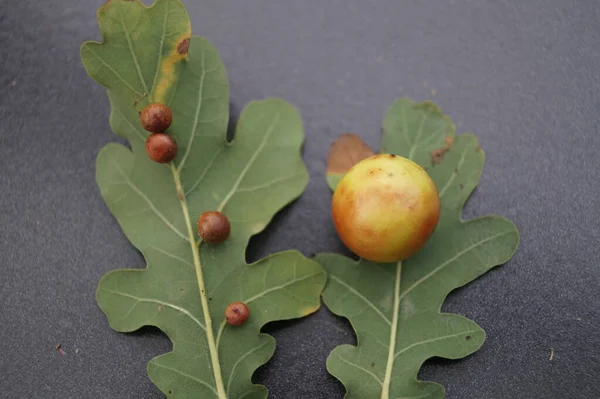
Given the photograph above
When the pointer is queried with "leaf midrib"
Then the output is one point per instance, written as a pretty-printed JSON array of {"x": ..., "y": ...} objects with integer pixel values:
[
  {"x": 213, "y": 346},
  {"x": 385, "y": 389},
  {"x": 214, "y": 357}
]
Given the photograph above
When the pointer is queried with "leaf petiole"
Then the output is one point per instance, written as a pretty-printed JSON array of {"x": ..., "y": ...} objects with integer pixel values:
[{"x": 214, "y": 355}]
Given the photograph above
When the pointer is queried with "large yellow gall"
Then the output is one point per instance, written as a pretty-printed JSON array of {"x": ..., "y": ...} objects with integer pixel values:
[{"x": 385, "y": 208}]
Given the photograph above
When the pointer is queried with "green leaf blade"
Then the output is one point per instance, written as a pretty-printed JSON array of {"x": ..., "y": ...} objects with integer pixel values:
[
  {"x": 395, "y": 308},
  {"x": 412, "y": 130}
]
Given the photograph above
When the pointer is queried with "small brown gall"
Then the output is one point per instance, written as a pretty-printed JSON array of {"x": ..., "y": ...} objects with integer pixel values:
[
  {"x": 156, "y": 118},
  {"x": 213, "y": 227},
  {"x": 237, "y": 313},
  {"x": 161, "y": 147}
]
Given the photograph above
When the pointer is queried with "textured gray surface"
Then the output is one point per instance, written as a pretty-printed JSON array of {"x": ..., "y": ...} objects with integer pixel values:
[{"x": 523, "y": 76}]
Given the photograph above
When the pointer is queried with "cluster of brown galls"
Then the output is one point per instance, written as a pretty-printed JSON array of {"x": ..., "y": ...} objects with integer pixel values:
[{"x": 213, "y": 226}]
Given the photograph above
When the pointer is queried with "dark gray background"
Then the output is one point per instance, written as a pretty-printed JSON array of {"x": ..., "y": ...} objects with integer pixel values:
[{"x": 522, "y": 75}]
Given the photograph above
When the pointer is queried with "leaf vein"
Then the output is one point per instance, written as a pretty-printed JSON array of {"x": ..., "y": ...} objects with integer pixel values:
[
  {"x": 167, "y": 304},
  {"x": 419, "y": 133},
  {"x": 361, "y": 296},
  {"x": 279, "y": 287},
  {"x": 143, "y": 195},
  {"x": 196, "y": 116},
  {"x": 170, "y": 255},
  {"x": 205, "y": 171},
  {"x": 446, "y": 263},
  {"x": 363, "y": 370},
  {"x": 106, "y": 65},
  {"x": 133, "y": 127},
  {"x": 269, "y": 183},
  {"x": 250, "y": 162},
  {"x": 454, "y": 173},
  {"x": 133, "y": 55},
  {"x": 248, "y": 353},
  {"x": 187, "y": 376},
  {"x": 409, "y": 347}
]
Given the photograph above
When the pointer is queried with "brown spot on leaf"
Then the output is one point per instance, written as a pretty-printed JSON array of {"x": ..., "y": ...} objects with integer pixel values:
[
  {"x": 160, "y": 308},
  {"x": 346, "y": 151},
  {"x": 468, "y": 337},
  {"x": 478, "y": 149},
  {"x": 183, "y": 46},
  {"x": 438, "y": 155},
  {"x": 372, "y": 364},
  {"x": 393, "y": 155},
  {"x": 461, "y": 186}
]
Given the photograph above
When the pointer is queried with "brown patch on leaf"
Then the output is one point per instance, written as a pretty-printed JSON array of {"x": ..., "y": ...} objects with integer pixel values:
[
  {"x": 183, "y": 46},
  {"x": 345, "y": 152},
  {"x": 461, "y": 186},
  {"x": 468, "y": 337},
  {"x": 438, "y": 155}
]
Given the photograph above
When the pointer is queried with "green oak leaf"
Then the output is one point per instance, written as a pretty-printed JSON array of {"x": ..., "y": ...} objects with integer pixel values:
[
  {"x": 187, "y": 284},
  {"x": 395, "y": 309}
]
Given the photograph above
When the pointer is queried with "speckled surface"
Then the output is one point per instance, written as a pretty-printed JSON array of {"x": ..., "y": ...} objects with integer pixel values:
[{"x": 523, "y": 75}]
